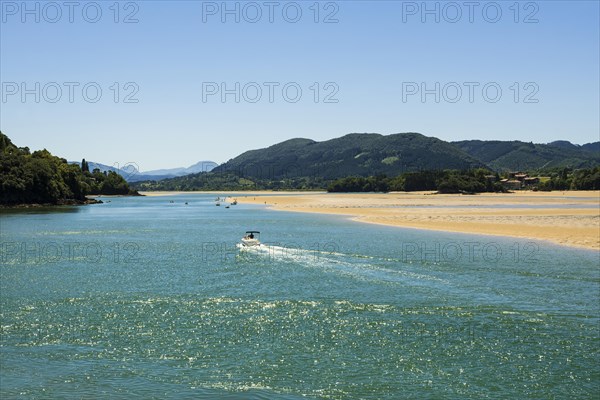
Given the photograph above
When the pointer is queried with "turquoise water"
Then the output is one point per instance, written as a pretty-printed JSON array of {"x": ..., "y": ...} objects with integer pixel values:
[{"x": 145, "y": 298}]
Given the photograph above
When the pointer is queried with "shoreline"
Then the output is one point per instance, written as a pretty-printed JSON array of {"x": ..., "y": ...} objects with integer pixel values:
[
  {"x": 90, "y": 199},
  {"x": 563, "y": 218},
  {"x": 69, "y": 202},
  {"x": 225, "y": 192}
]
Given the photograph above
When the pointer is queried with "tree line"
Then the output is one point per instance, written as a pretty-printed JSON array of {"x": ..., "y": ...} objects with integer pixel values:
[
  {"x": 572, "y": 179},
  {"x": 444, "y": 181},
  {"x": 477, "y": 180}
]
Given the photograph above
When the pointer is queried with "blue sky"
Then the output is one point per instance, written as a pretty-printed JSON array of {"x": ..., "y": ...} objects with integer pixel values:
[{"x": 529, "y": 73}]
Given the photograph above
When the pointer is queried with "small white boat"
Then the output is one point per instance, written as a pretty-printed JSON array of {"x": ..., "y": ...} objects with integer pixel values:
[{"x": 251, "y": 239}]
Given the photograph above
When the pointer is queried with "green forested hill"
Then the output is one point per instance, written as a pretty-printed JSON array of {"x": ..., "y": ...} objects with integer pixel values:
[
  {"x": 521, "y": 156},
  {"x": 307, "y": 164},
  {"x": 351, "y": 155},
  {"x": 40, "y": 177}
]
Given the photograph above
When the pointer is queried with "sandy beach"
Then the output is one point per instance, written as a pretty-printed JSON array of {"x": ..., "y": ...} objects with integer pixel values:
[{"x": 566, "y": 218}]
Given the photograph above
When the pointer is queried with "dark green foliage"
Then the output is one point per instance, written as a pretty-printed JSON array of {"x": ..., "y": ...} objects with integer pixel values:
[
  {"x": 569, "y": 179},
  {"x": 522, "y": 156},
  {"x": 459, "y": 183},
  {"x": 447, "y": 181},
  {"x": 109, "y": 183},
  {"x": 593, "y": 147},
  {"x": 229, "y": 181},
  {"x": 586, "y": 179},
  {"x": 40, "y": 177},
  {"x": 416, "y": 181},
  {"x": 378, "y": 183}
]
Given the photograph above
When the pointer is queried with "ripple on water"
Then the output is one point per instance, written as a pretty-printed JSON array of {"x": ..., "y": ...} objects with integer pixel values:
[
  {"x": 285, "y": 344},
  {"x": 356, "y": 321}
]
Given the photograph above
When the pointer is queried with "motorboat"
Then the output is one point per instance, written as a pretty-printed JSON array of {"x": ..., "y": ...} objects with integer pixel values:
[{"x": 251, "y": 239}]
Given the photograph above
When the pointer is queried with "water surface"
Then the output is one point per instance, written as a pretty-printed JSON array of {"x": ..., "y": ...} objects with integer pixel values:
[{"x": 148, "y": 298}]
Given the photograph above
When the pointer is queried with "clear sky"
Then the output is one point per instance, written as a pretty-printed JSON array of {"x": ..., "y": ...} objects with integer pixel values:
[{"x": 184, "y": 81}]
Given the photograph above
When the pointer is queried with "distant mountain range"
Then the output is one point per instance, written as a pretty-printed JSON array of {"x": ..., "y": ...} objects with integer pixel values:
[
  {"x": 365, "y": 154},
  {"x": 131, "y": 174},
  {"x": 305, "y": 163},
  {"x": 372, "y": 154}
]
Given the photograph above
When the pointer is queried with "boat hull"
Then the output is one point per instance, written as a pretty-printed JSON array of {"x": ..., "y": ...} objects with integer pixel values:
[{"x": 250, "y": 242}]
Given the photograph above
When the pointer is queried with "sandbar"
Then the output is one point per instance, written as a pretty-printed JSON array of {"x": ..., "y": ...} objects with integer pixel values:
[{"x": 570, "y": 218}]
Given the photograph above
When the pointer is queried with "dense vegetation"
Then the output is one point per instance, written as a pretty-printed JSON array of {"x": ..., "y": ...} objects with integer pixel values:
[
  {"x": 379, "y": 183},
  {"x": 569, "y": 179},
  {"x": 446, "y": 181},
  {"x": 477, "y": 180},
  {"x": 472, "y": 181},
  {"x": 521, "y": 156},
  {"x": 229, "y": 181},
  {"x": 40, "y": 177}
]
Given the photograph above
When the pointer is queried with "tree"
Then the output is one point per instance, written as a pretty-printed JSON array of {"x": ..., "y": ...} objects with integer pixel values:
[{"x": 40, "y": 177}]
